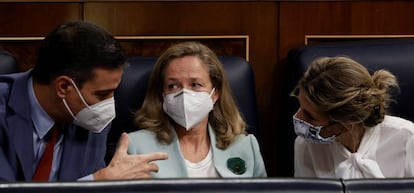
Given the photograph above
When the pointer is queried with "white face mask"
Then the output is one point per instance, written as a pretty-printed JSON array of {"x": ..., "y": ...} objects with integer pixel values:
[
  {"x": 95, "y": 117},
  {"x": 310, "y": 132},
  {"x": 187, "y": 107}
]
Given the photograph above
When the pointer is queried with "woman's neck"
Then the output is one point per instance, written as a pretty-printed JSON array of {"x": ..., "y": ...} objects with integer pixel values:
[
  {"x": 194, "y": 144},
  {"x": 352, "y": 138}
]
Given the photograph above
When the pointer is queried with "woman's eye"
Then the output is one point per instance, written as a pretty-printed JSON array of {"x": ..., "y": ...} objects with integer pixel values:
[
  {"x": 171, "y": 86},
  {"x": 196, "y": 85}
]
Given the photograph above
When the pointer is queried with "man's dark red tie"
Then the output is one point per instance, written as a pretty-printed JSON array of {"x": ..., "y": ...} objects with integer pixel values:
[{"x": 45, "y": 164}]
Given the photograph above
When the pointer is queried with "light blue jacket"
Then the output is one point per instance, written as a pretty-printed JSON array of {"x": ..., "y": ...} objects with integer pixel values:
[{"x": 244, "y": 147}]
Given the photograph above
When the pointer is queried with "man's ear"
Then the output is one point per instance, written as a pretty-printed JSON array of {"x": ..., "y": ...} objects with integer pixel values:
[{"x": 63, "y": 85}]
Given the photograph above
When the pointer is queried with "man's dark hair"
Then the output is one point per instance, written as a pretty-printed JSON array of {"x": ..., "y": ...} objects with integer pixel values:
[{"x": 75, "y": 49}]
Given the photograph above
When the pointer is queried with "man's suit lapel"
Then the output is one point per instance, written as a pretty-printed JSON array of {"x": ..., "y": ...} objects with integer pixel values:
[
  {"x": 22, "y": 138},
  {"x": 20, "y": 124},
  {"x": 73, "y": 154}
]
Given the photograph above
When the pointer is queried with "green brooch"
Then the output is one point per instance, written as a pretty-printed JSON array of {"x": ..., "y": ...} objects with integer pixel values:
[{"x": 236, "y": 165}]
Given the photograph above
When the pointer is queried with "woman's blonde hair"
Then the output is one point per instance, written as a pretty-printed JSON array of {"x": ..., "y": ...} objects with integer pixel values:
[
  {"x": 225, "y": 118},
  {"x": 346, "y": 91}
]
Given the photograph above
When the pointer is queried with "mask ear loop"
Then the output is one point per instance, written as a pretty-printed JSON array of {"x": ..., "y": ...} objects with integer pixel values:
[
  {"x": 79, "y": 93},
  {"x": 212, "y": 91},
  {"x": 211, "y": 94},
  {"x": 67, "y": 107},
  {"x": 336, "y": 133}
]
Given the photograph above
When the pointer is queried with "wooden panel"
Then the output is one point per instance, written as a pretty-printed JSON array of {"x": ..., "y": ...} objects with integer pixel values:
[
  {"x": 327, "y": 39},
  {"x": 35, "y": 19},
  {"x": 155, "y": 45},
  {"x": 32, "y": 19},
  {"x": 343, "y": 18},
  {"x": 382, "y": 17},
  {"x": 23, "y": 49}
]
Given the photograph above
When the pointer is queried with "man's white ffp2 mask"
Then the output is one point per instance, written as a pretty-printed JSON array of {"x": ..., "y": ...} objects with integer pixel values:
[{"x": 95, "y": 117}]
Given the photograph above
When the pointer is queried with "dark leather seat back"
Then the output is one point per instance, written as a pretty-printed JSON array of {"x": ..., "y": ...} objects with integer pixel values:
[
  {"x": 257, "y": 185},
  {"x": 182, "y": 186},
  {"x": 379, "y": 185},
  {"x": 131, "y": 93},
  {"x": 8, "y": 63}
]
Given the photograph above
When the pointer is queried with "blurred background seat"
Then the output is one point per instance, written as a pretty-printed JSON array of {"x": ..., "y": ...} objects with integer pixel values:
[{"x": 8, "y": 63}]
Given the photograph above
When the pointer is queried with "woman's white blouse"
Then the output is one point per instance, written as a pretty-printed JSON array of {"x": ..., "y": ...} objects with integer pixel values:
[
  {"x": 386, "y": 150},
  {"x": 202, "y": 169}
]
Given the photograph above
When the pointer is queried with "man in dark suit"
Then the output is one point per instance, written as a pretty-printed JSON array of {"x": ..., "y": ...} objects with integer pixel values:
[{"x": 63, "y": 108}]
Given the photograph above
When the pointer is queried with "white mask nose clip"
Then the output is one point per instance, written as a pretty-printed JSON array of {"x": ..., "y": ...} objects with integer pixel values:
[{"x": 188, "y": 108}]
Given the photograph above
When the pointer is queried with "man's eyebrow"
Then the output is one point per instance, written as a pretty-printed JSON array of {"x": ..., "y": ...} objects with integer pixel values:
[{"x": 104, "y": 91}]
